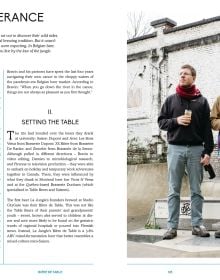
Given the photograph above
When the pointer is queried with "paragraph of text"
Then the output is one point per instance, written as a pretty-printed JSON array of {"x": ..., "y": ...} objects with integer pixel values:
[
  {"x": 27, "y": 43},
  {"x": 50, "y": 161},
  {"x": 49, "y": 82},
  {"x": 39, "y": 220}
]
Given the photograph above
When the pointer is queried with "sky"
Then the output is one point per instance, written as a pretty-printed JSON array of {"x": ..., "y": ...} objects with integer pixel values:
[{"x": 182, "y": 12}]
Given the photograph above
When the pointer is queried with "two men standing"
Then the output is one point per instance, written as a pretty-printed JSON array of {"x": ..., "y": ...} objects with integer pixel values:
[{"x": 185, "y": 116}]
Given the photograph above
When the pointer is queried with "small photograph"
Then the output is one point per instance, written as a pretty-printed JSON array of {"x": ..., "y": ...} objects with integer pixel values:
[{"x": 173, "y": 142}]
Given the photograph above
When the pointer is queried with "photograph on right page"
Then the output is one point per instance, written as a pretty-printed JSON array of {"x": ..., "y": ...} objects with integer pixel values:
[{"x": 173, "y": 143}]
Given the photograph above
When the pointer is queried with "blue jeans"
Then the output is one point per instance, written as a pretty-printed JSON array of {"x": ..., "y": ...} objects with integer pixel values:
[{"x": 179, "y": 158}]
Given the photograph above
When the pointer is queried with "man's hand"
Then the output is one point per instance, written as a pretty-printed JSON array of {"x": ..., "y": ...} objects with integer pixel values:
[
  {"x": 205, "y": 160},
  {"x": 184, "y": 120}
]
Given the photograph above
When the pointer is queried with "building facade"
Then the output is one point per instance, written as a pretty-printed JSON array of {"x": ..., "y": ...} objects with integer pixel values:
[{"x": 154, "y": 61}]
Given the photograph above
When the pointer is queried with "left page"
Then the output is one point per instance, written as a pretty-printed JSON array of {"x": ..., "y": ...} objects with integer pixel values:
[{"x": 62, "y": 126}]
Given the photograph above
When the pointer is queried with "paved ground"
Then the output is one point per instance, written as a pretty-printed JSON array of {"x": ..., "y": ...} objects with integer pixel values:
[{"x": 148, "y": 243}]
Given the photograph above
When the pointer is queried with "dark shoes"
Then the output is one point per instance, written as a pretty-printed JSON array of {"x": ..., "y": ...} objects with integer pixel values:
[
  {"x": 170, "y": 234},
  {"x": 217, "y": 234},
  {"x": 197, "y": 230},
  {"x": 201, "y": 231}
]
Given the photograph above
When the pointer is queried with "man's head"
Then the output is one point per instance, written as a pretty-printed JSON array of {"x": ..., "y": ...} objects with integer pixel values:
[{"x": 187, "y": 75}]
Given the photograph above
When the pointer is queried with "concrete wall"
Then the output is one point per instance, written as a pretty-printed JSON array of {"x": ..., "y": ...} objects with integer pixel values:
[{"x": 147, "y": 182}]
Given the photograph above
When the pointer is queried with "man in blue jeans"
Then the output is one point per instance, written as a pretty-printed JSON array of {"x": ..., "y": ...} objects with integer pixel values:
[{"x": 185, "y": 116}]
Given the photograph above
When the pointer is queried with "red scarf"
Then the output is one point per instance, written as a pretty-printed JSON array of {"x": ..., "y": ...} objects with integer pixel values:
[{"x": 188, "y": 92}]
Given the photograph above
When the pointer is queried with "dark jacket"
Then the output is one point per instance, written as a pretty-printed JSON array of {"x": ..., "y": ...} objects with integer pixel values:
[{"x": 198, "y": 132}]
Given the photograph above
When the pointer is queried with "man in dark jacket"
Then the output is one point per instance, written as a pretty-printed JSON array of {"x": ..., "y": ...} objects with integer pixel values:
[{"x": 185, "y": 116}]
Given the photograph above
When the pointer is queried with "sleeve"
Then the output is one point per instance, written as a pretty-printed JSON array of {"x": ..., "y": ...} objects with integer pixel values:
[
  {"x": 215, "y": 115},
  {"x": 165, "y": 120},
  {"x": 208, "y": 136}
]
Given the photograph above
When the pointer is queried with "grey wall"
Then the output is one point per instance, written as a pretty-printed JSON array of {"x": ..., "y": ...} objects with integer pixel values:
[{"x": 147, "y": 182}]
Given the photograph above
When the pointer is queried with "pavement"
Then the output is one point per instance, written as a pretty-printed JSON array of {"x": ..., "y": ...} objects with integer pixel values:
[{"x": 148, "y": 243}]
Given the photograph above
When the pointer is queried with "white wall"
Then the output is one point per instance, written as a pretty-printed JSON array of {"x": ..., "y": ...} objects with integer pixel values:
[{"x": 144, "y": 95}]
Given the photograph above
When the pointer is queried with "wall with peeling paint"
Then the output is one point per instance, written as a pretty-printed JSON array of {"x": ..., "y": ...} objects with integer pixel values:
[{"x": 154, "y": 61}]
